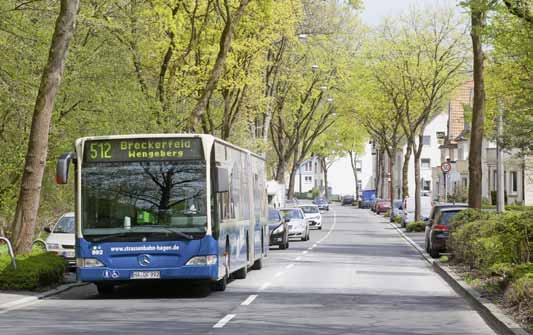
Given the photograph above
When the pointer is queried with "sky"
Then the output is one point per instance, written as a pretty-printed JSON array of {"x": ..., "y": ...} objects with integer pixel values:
[{"x": 375, "y": 10}]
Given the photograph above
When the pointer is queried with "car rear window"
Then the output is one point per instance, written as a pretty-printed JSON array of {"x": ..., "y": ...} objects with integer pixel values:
[{"x": 446, "y": 216}]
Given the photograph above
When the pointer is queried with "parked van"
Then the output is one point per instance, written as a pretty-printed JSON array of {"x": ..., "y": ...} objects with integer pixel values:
[{"x": 408, "y": 208}]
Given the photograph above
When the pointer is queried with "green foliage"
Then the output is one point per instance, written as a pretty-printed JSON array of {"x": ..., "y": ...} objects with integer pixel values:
[
  {"x": 481, "y": 239},
  {"x": 315, "y": 192},
  {"x": 415, "y": 227},
  {"x": 35, "y": 271}
]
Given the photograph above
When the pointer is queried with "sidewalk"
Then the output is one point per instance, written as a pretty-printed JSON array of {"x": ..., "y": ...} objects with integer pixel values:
[{"x": 8, "y": 298}]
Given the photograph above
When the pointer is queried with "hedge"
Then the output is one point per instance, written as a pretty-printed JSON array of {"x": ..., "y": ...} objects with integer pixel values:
[
  {"x": 498, "y": 246},
  {"x": 417, "y": 226},
  {"x": 34, "y": 272}
]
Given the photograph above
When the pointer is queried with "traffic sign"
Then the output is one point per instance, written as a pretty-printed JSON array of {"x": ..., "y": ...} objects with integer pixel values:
[{"x": 446, "y": 167}]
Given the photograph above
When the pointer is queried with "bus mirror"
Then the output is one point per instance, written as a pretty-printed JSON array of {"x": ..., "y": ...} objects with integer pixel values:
[
  {"x": 63, "y": 165},
  {"x": 222, "y": 184}
]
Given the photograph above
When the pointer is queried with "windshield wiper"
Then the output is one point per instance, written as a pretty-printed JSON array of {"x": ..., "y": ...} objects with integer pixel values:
[
  {"x": 176, "y": 232},
  {"x": 107, "y": 237}
]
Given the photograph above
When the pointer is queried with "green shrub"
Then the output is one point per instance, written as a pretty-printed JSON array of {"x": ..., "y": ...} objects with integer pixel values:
[
  {"x": 482, "y": 239},
  {"x": 417, "y": 226},
  {"x": 397, "y": 219},
  {"x": 34, "y": 271},
  {"x": 520, "y": 294}
]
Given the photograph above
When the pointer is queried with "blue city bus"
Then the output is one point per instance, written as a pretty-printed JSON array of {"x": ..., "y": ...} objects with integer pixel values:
[{"x": 165, "y": 206}]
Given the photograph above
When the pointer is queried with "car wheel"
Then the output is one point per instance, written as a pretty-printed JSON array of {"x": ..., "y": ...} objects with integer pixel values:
[
  {"x": 283, "y": 246},
  {"x": 433, "y": 253},
  {"x": 287, "y": 245},
  {"x": 105, "y": 289},
  {"x": 319, "y": 227}
]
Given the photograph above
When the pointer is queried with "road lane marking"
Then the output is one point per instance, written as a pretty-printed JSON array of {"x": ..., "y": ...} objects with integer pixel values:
[
  {"x": 222, "y": 322},
  {"x": 278, "y": 274},
  {"x": 310, "y": 248},
  {"x": 264, "y": 286},
  {"x": 289, "y": 266},
  {"x": 298, "y": 258},
  {"x": 249, "y": 300},
  {"x": 314, "y": 245},
  {"x": 305, "y": 252}
]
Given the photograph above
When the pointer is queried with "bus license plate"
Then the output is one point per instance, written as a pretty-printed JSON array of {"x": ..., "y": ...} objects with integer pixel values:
[{"x": 145, "y": 275}]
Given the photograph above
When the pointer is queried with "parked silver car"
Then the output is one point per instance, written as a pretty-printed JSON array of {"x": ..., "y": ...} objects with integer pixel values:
[
  {"x": 62, "y": 238},
  {"x": 298, "y": 225}
]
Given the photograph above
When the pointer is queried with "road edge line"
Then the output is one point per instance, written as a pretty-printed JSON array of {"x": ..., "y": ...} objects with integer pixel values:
[
  {"x": 489, "y": 312},
  {"x": 41, "y": 296}
]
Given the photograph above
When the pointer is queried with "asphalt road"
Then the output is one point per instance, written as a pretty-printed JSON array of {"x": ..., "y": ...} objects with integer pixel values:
[{"x": 356, "y": 276}]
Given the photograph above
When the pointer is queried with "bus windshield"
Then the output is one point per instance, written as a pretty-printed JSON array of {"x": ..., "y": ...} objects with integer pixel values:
[{"x": 143, "y": 198}]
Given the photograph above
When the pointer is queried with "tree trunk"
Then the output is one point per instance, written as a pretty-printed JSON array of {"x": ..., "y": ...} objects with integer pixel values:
[
  {"x": 292, "y": 179},
  {"x": 417, "y": 182},
  {"x": 30, "y": 188},
  {"x": 353, "y": 162},
  {"x": 280, "y": 171},
  {"x": 405, "y": 172},
  {"x": 378, "y": 174},
  {"x": 226, "y": 39},
  {"x": 478, "y": 111},
  {"x": 324, "y": 167},
  {"x": 382, "y": 165}
]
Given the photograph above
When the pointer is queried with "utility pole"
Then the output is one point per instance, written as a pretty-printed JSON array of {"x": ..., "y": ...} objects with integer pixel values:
[{"x": 500, "y": 191}]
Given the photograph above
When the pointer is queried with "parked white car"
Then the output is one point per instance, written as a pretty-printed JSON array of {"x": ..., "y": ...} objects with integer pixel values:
[
  {"x": 312, "y": 215},
  {"x": 61, "y": 239},
  {"x": 408, "y": 208},
  {"x": 298, "y": 225}
]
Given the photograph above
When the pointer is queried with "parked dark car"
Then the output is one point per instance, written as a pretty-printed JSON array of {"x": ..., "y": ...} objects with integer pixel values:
[
  {"x": 382, "y": 206},
  {"x": 434, "y": 211},
  {"x": 278, "y": 228},
  {"x": 322, "y": 204},
  {"x": 438, "y": 231},
  {"x": 347, "y": 200}
]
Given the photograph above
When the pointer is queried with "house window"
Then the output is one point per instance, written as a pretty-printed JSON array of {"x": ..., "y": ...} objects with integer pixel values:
[
  {"x": 426, "y": 163},
  {"x": 514, "y": 181},
  {"x": 308, "y": 179},
  {"x": 426, "y": 185},
  {"x": 360, "y": 185},
  {"x": 358, "y": 165},
  {"x": 426, "y": 140},
  {"x": 316, "y": 167}
]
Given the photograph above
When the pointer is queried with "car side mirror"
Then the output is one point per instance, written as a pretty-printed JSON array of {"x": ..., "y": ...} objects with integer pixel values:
[
  {"x": 287, "y": 219},
  {"x": 63, "y": 166},
  {"x": 222, "y": 182},
  {"x": 48, "y": 230}
]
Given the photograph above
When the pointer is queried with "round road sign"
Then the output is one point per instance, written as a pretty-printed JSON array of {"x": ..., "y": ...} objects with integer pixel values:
[{"x": 446, "y": 167}]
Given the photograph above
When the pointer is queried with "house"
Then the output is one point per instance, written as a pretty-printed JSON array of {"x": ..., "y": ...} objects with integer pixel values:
[
  {"x": 309, "y": 175},
  {"x": 518, "y": 176}
]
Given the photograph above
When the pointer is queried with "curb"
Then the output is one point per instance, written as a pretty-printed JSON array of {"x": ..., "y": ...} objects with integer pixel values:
[
  {"x": 492, "y": 314},
  {"x": 26, "y": 300}
]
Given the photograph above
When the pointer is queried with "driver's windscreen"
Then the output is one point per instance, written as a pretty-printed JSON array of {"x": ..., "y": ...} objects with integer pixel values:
[
  {"x": 65, "y": 225},
  {"x": 292, "y": 214},
  {"x": 143, "y": 196}
]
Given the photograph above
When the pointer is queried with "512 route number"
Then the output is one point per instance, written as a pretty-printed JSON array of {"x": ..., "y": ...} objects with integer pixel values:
[{"x": 100, "y": 150}]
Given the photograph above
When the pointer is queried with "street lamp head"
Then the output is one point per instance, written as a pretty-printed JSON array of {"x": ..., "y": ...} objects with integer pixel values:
[
  {"x": 324, "y": 88},
  {"x": 330, "y": 100},
  {"x": 302, "y": 37},
  {"x": 314, "y": 68}
]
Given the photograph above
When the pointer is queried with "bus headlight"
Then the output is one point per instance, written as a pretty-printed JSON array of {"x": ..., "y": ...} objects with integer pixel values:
[
  {"x": 88, "y": 263},
  {"x": 203, "y": 260}
]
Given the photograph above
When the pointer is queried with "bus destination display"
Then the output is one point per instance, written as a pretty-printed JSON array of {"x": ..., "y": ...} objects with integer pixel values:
[{"x": 145, "y": 149}]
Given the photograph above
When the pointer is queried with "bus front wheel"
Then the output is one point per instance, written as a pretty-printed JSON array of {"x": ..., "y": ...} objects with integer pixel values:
[
  {"x": 105, "y": 289},
  {"x": 220, "y": 285}
]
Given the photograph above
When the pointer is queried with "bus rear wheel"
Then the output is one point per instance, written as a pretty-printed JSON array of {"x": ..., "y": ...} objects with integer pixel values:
[{"x": 241, "y": 273}]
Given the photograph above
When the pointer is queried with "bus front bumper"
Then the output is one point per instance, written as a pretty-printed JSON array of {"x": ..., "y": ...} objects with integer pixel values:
[{"x": 194, "y": 272}]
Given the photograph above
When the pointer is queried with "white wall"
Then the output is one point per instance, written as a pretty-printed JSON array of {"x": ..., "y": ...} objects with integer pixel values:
[
  {"x": 340, "y": 174},
  {"x": 432, "y": 151}
]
